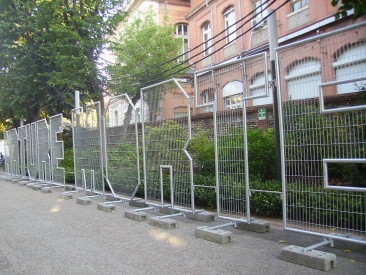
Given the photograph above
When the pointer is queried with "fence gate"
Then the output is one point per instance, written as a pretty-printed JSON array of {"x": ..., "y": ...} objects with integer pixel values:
[
  {"x": 166, "y": 133},
  {"x": 121, "y": 146},
  {"x": 56, "y": 149},
  {"x": 322, "y": 87},
  {"x": 233, "y": 86},
  {"x": 87, "y": 145}
]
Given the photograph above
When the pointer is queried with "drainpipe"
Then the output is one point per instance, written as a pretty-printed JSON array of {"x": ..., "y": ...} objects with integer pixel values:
[{"x": 212, "y": 32}]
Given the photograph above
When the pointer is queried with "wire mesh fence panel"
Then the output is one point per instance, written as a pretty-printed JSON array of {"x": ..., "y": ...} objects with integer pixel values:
[
  {"x": 32, "y": 151},
  {"x": 78, "y": 129},
  {"x": 6, "y": 151},
  {"x": 235, "y": 86},
  {"x": 322, "y": 88},
  {"x": 13, "y": 152},
  {"x": 166, "y": 133},
  {"x": 43, "y": 150},
  {"x": 87, "y": 144},
  {"x": 121, "y": 145},
  {"x": 22, "y": 136},
  {"x": 56, "y": 149}
]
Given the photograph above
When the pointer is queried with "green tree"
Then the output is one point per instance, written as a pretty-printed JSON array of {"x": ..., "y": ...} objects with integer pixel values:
[
  {"x": 359, "y": 7},
  {"x": 48, "y": 49},
  {"x": 138, "y": 50}
]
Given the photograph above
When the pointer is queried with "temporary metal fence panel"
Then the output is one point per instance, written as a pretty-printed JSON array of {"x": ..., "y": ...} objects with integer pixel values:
[
  {"x": 323, "y": 122},
  {"x": 13, "y": 152},
  {"x": 87, "y": 144},
  {"x": 32, "y": 151},
  {"x": 78, "y": 128},
  {"x": 43, "y": 150},
  {"x": 6, "y": 152},
  {"x": 56, "y": 149},
  {"x": 233, "y": 86},
  {"x": 166, "y": 133},
  {"x": 22, "y": 136},
  {"x": 121, "y": 146}
]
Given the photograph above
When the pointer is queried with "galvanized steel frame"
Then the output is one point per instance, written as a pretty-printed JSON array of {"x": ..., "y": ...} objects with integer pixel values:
[
  {"x": 86, "y": 167},
  {"x": 184, "y": 149},
  {"x": 246, "y": 217},
  {"x": 44, "y": 160},
  {"x": 56, "y": 150},
  {"x": 105, "y": 141},
  {"x": 312, "y": 230}
]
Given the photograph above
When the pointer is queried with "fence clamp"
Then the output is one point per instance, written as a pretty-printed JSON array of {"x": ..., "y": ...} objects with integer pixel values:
[{"x": 272, "y": 83}]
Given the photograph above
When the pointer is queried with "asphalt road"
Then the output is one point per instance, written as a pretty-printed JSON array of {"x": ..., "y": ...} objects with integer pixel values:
[{"x": 44, "y": 234}]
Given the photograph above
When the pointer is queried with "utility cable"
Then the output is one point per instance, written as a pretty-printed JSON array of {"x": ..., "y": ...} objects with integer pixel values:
[
  {"x": 187, "y": 67},
  {"x": 183, "y": 54}
]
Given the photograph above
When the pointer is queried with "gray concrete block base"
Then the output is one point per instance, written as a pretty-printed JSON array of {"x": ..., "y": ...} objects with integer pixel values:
[
  {"x": 216, "y": 235},
  {"x": 315, "y": 259},
  {"x": 46, "y": 190},
  {"x": 106, "y": 207},
  {"x": 256, "y": 226},
  {"x": 163, "y": 223},
  {"x": 202, "y": 216},
  {"x": 70, "y": 188},
  {"x": 90, "y": 193},
  {"x": 24, "y": 183},
  {"x": 139, "y": 204},
  {"x": 136, "y": 216},
  {"x": 347, "y": 245},
  {"x": 83, "y": 201},
  {"x": 111, "y": 198},
  {"x": 67, "y": 196},
  {"x": 36, "y": 187},
  {"x": 169, "y": 211}
]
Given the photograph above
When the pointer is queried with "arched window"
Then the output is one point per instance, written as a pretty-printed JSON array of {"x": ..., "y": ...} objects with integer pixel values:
[
  {"x": 350, "y": 64},
  {"x": 181, "y": 31},
  {"x": 258, "y": 89},
  {"x": 206, "y": 33},
  {"x": 303, "y": 79},
  {"x": 232, "y": 94},
  {"x": 229, "y": 17}
]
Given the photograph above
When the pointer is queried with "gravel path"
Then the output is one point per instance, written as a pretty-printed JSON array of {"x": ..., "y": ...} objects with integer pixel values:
[{"x": 44, "y": 234}]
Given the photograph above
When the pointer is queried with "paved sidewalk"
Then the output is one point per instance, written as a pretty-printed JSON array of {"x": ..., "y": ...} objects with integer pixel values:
[{"x": 44, "y": 234}]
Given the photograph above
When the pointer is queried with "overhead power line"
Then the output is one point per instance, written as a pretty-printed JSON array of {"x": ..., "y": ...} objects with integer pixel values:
[
  {"x": 187, "y": 67},
  {"x": 223, "y": 31}
]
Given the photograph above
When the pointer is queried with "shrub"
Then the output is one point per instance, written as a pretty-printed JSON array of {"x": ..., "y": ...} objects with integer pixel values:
[
  {"x": 266, "y": 204},
  {"x": 202, "y": 148},
  {"x": 68, "y": 164}
]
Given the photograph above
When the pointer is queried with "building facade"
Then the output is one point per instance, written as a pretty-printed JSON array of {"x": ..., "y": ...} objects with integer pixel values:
[{"x": 214, "y": 32}]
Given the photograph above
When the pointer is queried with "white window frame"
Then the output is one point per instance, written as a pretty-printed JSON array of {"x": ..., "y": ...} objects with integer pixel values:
[
  {"x": 232, "y": 93},
  {"x": 293, "y": 3},
  {"x": 208, "y": 96},
  {"x": 229, "y": 17},
  {"x": 206, "y": 37},
  {"x": 233, "y": 102},
  {"x": 184, "y": 35},
  {"x": 262, "y": 12}
]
